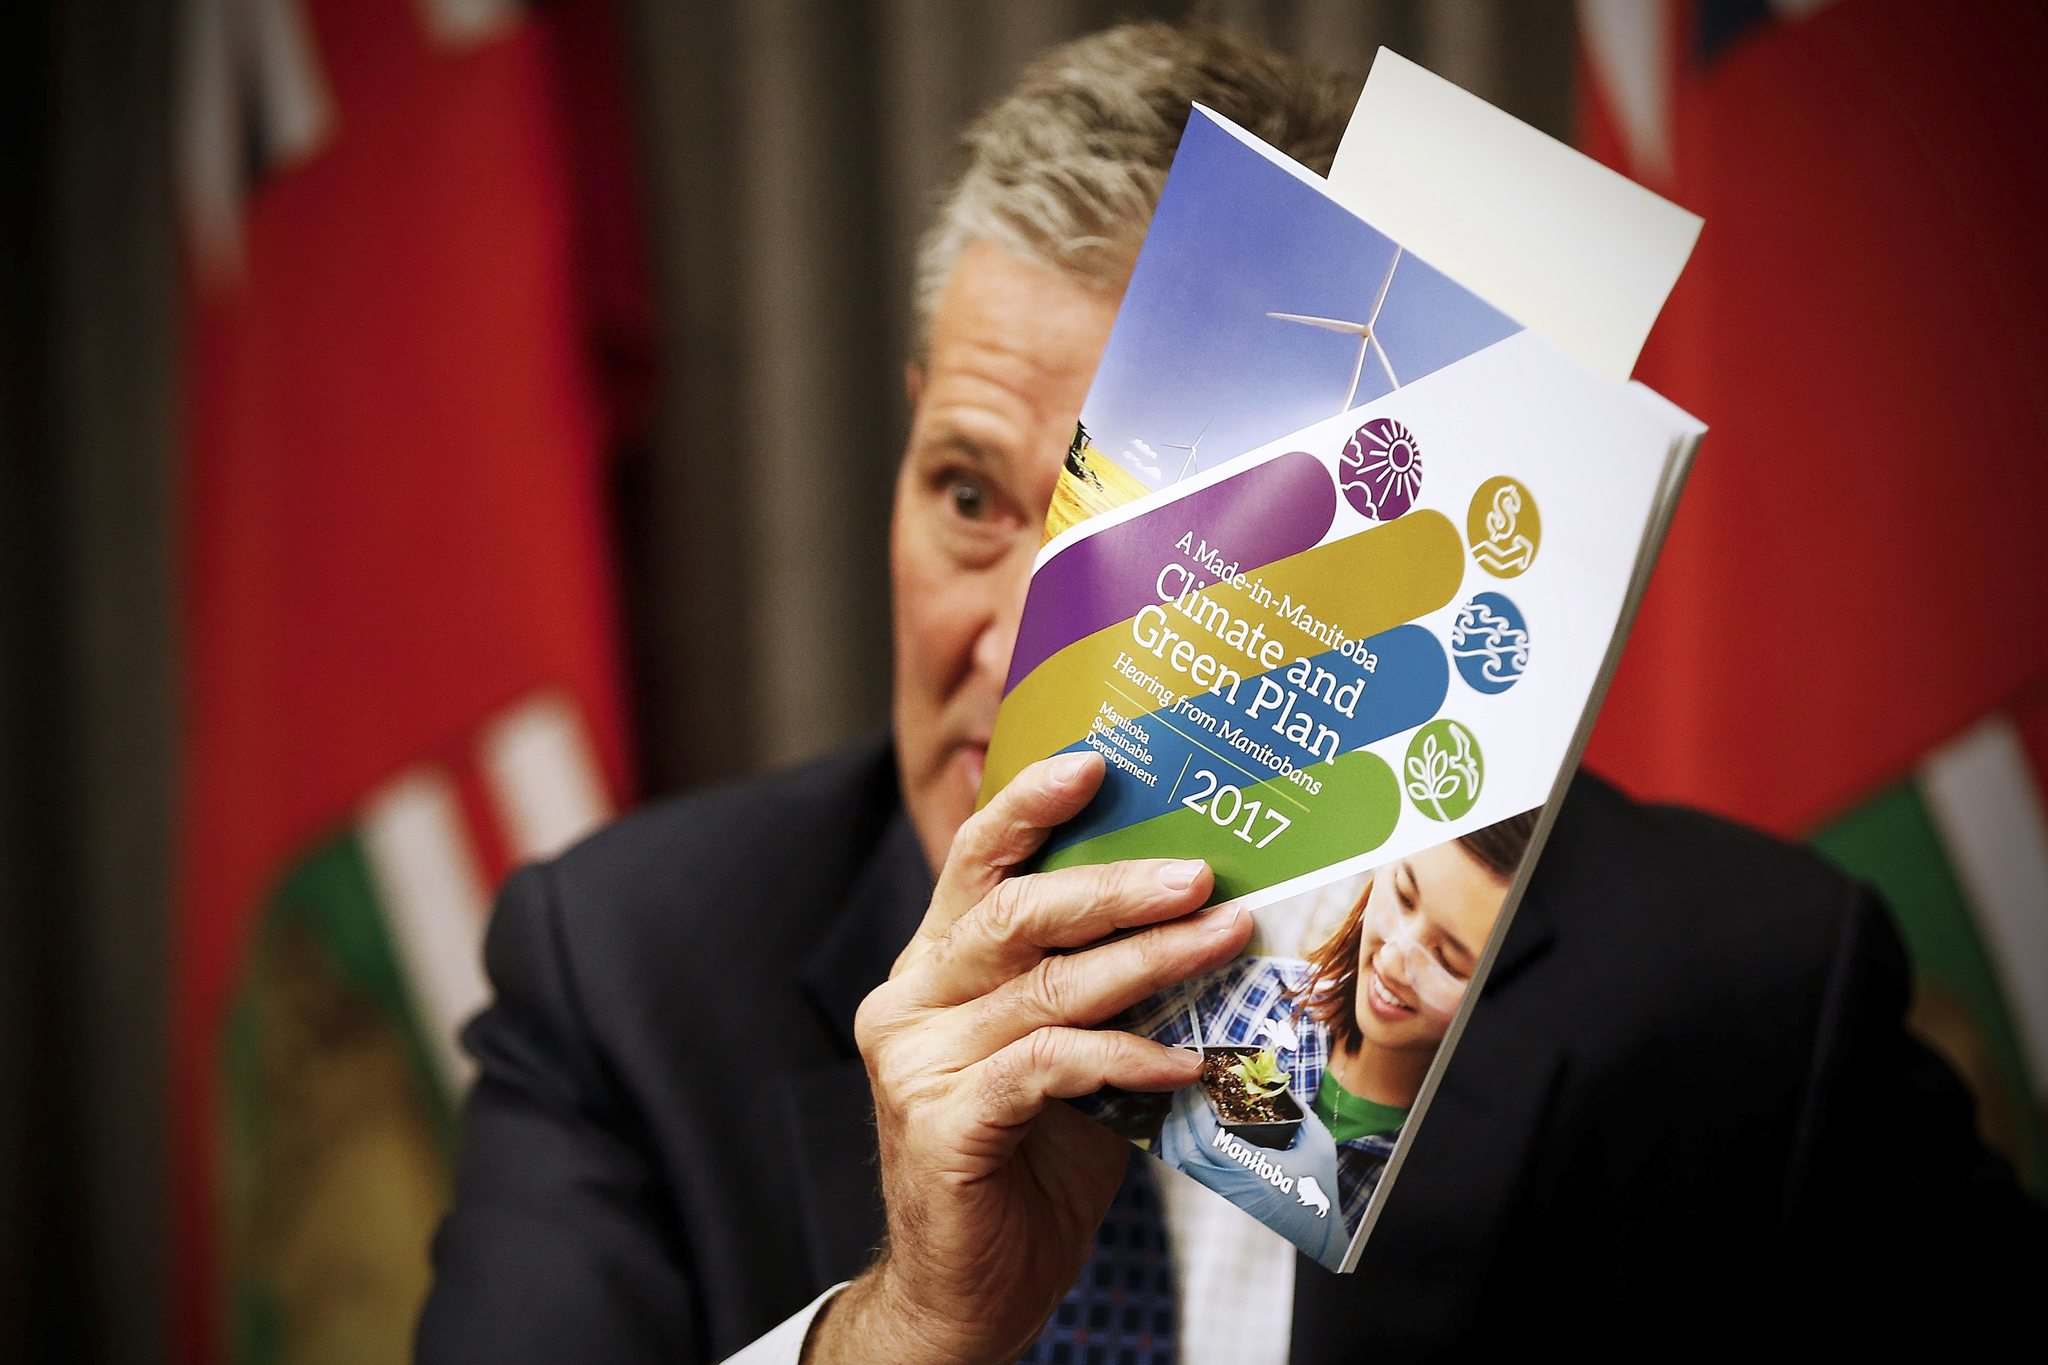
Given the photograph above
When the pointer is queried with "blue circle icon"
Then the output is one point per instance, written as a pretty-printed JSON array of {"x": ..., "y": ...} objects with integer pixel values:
[{"x": 1490, "y": 641}]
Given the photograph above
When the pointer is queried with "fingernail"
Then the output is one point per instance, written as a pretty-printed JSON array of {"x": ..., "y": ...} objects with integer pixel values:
[
  {"x": 1069, "y": 770},
  {"x": 1223, "y": 921},
  {"x": 1180, "y": 876}
]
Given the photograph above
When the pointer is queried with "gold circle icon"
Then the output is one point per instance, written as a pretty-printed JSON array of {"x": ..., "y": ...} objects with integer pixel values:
[{"x": 1503, "y": 527}]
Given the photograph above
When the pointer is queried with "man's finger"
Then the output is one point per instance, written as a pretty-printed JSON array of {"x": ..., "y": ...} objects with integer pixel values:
[
  {"x": 1079, "y": 989},
  {"x": 1019, "y": 920},
  {"x": 1002, "y": 834},
  {"x": 1010, "y": 1088}
]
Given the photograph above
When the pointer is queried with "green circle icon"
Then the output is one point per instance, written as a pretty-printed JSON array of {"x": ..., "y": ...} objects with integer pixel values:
[{"x": 1444, "y": 771}]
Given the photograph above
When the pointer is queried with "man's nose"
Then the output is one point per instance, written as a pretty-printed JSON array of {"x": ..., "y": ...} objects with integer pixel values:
[{"x": 992, "y": 649}]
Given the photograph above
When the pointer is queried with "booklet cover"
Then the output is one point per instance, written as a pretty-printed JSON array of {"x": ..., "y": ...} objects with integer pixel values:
[{"x": 1338, "y": 566}]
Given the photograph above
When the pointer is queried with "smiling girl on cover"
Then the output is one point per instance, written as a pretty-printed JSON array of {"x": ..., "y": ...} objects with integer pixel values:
[
  {"x": 1355, "y": 1025},
  {"x": 1384, "y": 987}
]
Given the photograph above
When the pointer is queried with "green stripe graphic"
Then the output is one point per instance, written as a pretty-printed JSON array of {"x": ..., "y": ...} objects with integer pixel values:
[{"x": 1356, "y": 811}]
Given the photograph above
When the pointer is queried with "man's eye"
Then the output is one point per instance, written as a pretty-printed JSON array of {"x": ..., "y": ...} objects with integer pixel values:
[{"x": 969, "y": 498}]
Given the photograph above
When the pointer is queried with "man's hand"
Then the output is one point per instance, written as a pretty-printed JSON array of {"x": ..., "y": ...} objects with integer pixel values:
[{"x": 993, "y": 1195}]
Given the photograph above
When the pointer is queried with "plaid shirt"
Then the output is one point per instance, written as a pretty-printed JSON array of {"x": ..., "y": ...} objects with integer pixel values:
[{"x": 1246, "y": 1003}]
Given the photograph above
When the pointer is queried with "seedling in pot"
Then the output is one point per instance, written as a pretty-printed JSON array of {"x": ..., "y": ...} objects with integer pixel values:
[
  {"x": 1260, "y": 1071},
  {"x": 1247, "y": 1089}
]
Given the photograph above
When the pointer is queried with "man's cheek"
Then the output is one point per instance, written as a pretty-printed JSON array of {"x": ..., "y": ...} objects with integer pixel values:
[
  {"x": 942, "y": 623},
  {"x": 918, "y": 615}
]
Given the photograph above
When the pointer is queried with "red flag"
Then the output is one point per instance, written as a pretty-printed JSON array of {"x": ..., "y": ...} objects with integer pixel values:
[
  {"x": 1855, "y": 572},
  {"x": 401, "y": 654},
  {"x": 1847, "y": 635}
]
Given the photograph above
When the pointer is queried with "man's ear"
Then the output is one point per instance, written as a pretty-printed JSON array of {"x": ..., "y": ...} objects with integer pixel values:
[{"x": 913, "y": 382}]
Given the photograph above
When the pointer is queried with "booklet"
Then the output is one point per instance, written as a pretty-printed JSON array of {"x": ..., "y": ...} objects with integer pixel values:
[{"x": 1338, "y": 567}]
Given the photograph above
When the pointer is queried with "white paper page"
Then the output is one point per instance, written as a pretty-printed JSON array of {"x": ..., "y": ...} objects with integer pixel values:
[{"x": 1569, "y": 248}]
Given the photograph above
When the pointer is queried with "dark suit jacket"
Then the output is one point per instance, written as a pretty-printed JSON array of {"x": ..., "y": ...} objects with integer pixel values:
[{"x": 1684, "y": 1106}]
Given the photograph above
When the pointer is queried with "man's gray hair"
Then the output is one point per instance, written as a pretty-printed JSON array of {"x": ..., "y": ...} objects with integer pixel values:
[{"x": 1067, "y": 168}]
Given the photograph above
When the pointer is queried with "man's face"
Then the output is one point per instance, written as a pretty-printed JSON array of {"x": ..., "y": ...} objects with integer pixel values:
[{"x": 1013, "y": 345}]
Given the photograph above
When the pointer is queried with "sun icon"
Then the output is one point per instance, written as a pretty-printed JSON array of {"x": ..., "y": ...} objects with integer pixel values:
[{"x": 1382, "y": 469}]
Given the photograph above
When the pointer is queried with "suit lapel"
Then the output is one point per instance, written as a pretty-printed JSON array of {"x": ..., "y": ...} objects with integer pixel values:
[
  {"x": 829, "y": 1108},
  {"x": 828, "y": 1111},
  {"x": 881, "y": 911}
]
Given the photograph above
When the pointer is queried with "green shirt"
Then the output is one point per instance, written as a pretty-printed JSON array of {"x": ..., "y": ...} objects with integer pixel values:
[{"x": 1349, "y": 1116}]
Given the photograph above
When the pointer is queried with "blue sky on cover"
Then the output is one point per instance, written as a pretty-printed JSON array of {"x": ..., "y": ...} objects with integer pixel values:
[{"x": 1237, "y": 235}]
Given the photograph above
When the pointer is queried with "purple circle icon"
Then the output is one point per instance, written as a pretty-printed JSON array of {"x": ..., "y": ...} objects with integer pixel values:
[{"x": 1381, "y": 469}]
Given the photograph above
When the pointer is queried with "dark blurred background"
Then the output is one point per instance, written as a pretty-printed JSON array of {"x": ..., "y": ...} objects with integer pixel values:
[{"x": 433, "y": 425}]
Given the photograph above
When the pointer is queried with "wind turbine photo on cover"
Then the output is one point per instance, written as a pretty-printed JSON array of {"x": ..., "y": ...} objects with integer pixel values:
[
  {"x": 1368, "y": 340},
  {"x": 1194, "y": 354}
]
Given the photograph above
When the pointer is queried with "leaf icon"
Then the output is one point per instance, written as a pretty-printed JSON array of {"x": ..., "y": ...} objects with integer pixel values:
[
  {"x": 1443, "y": 765},
  {"x": 1434, "y": 775},
  {"x": 1423, "y": 768}
]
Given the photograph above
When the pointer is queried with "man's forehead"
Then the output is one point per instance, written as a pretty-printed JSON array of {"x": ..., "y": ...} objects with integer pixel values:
[
  {"x": 994, "y": 293},
  {"x": 1014, "y": 343}
]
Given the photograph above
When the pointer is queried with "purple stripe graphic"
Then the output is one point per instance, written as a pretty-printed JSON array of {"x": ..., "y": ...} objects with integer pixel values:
[{"x": 1268, "y": 512}]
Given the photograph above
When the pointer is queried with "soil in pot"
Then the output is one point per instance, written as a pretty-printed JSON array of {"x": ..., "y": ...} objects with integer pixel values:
[{"x": 1236, "y": 1101}]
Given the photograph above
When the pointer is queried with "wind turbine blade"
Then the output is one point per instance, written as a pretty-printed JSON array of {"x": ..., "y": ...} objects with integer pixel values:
[
  {"x": 1385, "y": 285},
  {"x": 1190, "y": 449},
  {"x": 1379, "y": 348},
  {"x": 1327, "y": 324},
  {"x": 1364, "y": 345}
]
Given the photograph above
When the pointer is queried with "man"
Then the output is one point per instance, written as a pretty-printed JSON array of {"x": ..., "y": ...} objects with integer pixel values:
[{"x": 808, "y": 1031}]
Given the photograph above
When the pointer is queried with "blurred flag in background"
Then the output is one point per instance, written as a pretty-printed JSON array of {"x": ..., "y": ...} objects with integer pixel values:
[
  {"x": 1847, "y": 636},
  {"x": 413, "y": 271}
]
